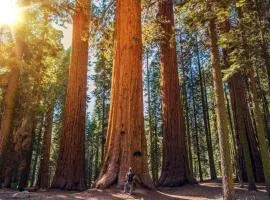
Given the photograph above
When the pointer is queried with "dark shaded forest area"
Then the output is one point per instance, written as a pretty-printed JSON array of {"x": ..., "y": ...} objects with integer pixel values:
[{"x": 176, "y": 91}]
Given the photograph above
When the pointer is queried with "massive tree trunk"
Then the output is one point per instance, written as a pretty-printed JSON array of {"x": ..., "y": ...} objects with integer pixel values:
[
  {"x": 175, "y": 167},
  {"x": 222, "y": 119},
  {"x": 70, "y": 171},
  {"x": 258, "y": 118},
  {"x": 9, "y": 105},
  {"x": 43, "y": 175},
  {"x": 238, "y": 99},
  {"x": 243, "y": 123},
  {"x": 126, "y": 143}
]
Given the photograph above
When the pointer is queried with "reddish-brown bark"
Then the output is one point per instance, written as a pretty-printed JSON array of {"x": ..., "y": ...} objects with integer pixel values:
[
  {"x": 70, "y": 171},
  {"x": 126, "y": 143},
  {"x": 175, "y": 160},
  {"x": 9, "y": 105},
  {"x": 238, "y": 99},
  {"x": 242, "y": 121}
]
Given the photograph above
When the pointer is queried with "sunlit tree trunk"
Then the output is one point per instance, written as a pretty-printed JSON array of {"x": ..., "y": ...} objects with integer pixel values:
[
  {"x": 261, "y": 132},
  {"x": 70, "y": 171},
  {"x": 222, "y": 119},
  {"x": 9, "y": 105},
  {"x": 126, "y": 143}
]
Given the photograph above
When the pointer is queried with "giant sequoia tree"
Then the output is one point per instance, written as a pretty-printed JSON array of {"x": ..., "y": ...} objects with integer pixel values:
[
  {"x": 70, "y": 171},
  {"x": 9, "y": 106},
  {"x": 126, "y": 143},
  {"x": 175, "y": 162},
  {"x": 10, "y": 97}
]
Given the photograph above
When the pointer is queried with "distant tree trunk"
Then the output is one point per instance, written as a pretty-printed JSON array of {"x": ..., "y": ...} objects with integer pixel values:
[
  {"x": 96, "y": 164},
  {"x": 238, "y": 155},
  {"x": 187, "y": 116},
  {"x": 265, "y": 106},
  {"x": 196, "y": 141},
  {"x": 205, "y": 119},
  {"x": 89, "y": 160},
  {"x": 104, "y": 114},
  {"x": 175, "y": 168},
  {"x": 43, "y": 175},
  {"x": 222, "y": 120},
  {"x": 266, "y": 57},
  {"x": 258, "y": 118},
  {"x": 260, "y": 9},
  {"x": 37, "y": 155},
  {"x": 239, "y": 107},
  {"x": 261, "y": 132},
  {"x": 156, "y": 148},
  {"x": 70, "y": 171},
  {"x": 243, "y": 121},
  {"x": 126, "y": 143},
  {"x": 152, "y": 159},
  {"x": 24, "y": 146}
]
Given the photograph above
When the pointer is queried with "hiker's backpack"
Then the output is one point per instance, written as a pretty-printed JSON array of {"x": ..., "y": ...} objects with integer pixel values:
[{"x": 130, "y": 177}]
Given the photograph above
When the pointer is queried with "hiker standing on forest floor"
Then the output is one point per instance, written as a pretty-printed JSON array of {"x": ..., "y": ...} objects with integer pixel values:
[{"x": 130, "y": 181}]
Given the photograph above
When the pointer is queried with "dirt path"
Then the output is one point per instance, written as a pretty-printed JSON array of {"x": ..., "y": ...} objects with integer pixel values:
[{"x": 201, "y": 191}]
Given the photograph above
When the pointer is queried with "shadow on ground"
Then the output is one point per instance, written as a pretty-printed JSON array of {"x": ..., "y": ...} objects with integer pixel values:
[{"x": 203, "y": 191}]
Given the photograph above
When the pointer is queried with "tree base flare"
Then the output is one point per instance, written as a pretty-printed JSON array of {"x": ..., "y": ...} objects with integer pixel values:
[{"x": 69, "y": 185}]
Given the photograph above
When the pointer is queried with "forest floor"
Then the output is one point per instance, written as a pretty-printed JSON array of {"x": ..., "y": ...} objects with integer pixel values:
[{"x": 202, "y": 191}]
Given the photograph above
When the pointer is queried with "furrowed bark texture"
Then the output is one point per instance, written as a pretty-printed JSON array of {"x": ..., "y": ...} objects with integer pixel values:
[
  {"x": 70, "y": 171},
  {"x": 126, "y": 143},
  {"x": 9, "y": 106},
  {"x": 175, "y": 160}
]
